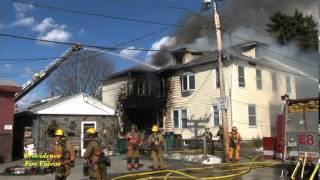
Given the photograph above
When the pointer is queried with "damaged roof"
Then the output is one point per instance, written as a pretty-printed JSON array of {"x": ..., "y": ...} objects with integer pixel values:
[
  {"x": 138, "y": 68},
  {"x": 207, "y": 58}
]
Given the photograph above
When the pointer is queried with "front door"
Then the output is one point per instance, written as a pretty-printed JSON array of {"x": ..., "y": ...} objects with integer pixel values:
[{"x": 84, "y": 138}]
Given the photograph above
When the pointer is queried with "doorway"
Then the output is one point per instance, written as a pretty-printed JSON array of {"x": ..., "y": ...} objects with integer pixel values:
[{"x": 84, "y": 138}]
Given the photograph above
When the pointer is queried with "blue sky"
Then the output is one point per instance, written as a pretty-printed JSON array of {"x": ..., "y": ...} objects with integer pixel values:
[{"x": 28, "y": 20}]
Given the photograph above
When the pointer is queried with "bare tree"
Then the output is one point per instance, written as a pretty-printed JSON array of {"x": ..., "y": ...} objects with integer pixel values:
[{"x": 80, "y": 74}]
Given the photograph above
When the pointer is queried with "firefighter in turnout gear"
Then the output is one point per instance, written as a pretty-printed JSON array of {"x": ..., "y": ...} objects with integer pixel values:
[
  {"x": 156, "y": 141},
  {"x": 234, "y": 144},
  {"x": 94, "y": 153},
  {"x": 63, "y": 149},
  {"x": 135, "y": 141},
  {"x": 220, "y": 135},
  {"x": 209, "y": 141}
]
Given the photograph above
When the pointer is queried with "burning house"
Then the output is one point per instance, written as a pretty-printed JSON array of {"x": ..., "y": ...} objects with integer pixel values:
[{"x": 185, "y": 96}]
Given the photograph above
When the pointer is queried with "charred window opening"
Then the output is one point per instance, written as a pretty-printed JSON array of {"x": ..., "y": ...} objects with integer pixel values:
[
  {"x": 161, "y": 88},
  {"x": 140, "y": 88},
  {"x": 144, "y": 88}
]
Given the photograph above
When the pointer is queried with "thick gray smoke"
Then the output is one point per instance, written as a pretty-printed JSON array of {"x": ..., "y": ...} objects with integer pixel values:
[{"x": 239, "y": 18}]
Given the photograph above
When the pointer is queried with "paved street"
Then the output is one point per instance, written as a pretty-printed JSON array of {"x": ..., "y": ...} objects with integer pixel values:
[{"x": 118, "y": 167}]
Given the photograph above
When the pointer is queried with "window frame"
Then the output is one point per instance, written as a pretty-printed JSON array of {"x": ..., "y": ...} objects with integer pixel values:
[
  {"x": 288, "y": 84},
  {"x": 242, "y": 77},
  {"x": 140, "y": 88},
  {"x": 259, "y": 79},
  {"x": 213, "y": 117},
  {"x": 251, "y": 115},
  {"x": 161, "y": 88},
  {"x": 274, "y": 82},
  {"x": 217, "y": 75},
  {"x": 180, "y": 121},
  {"x": 187, "y": 75}
]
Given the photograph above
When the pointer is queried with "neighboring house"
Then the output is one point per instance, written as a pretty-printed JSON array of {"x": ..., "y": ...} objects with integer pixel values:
[
  {"x": 192, "y": 92},
  {"x": 7, "y": 106},
  {"x": 74, "y": 114}
]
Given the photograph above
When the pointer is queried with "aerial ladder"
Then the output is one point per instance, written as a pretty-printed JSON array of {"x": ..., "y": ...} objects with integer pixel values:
[{"x": 43, "y": 74}]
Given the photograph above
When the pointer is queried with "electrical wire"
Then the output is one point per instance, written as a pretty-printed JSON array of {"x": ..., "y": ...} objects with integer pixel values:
[
  {"x": 158, "y": 6},
  {"x": 96, "y": 14}
]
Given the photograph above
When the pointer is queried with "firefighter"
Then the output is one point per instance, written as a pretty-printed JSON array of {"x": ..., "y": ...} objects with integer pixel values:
[
  {"x": 156, "y": 141},
  {"x": 94, "y": 153},
  {"x": 135, "y": 141},
  {"x": 234, "y": 144},
  {"x": 209, "y": 141},
  {"x": 63, "y": 149},
  {"x": 220, "y": 134}
]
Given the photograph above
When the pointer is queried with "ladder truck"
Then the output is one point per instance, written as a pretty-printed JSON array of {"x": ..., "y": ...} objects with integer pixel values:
[{"x": 43, "y": 74}]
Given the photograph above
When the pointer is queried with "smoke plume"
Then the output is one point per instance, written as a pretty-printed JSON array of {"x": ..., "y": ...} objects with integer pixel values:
[{"x": 239, "y": 18}]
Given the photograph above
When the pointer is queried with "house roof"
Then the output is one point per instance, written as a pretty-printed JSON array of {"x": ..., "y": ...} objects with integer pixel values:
[
  {"x": 138, "y": 68},
  {"x": 211, "y": 57},
  {"x": 79, "y": 104},
  {"x": 7, "y": 83}
]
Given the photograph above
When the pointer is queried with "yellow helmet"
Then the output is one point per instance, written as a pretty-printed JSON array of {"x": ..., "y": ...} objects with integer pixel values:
[
  {"x": 155, "y": 128},
  {"x": 59, "y": 132},
  {"x": 91, "y": 131},
  {"x": 206, "y": 127}
]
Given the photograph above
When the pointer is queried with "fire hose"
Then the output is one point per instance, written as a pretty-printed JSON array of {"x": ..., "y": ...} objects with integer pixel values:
[{"x": 182, "y": 173}]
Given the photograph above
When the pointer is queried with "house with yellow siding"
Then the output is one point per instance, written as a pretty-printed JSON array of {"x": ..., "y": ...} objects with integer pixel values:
[{"x": 185, "y": 96}]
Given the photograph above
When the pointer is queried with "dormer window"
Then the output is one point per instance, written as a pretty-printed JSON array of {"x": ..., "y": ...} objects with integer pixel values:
[{"x": 188, "y": 82}]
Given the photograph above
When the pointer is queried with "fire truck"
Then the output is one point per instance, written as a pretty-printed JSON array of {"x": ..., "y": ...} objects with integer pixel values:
[{"x": 297, "y": 141}]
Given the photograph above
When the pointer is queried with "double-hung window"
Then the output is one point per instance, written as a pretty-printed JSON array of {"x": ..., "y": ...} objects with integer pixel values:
[
  {"x": 252, "y": 115},
  {"x": 188, "y": 82},
  {"x": 216, "y": 116},
  {"x": 180, "y": 118},
  {"x": 259, "y": 79},
  {"x": 242, "y": 82}
]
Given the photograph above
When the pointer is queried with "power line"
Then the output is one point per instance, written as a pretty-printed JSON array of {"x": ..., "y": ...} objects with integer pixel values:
[
  {"x": 97, "y": 15},
  {"x": 158, "y": 6},
  {"x": 85, "y": 45}
]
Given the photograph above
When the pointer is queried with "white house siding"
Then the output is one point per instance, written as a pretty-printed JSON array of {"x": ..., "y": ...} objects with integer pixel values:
[
  {"x": 111, "y": 90},
  {"x": 199, "y": 103},
  {"x": 266, "y": 100}
]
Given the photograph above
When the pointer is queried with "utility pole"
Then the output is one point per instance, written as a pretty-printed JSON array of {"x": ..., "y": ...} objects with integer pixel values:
[{"x": 222, "y": 83}]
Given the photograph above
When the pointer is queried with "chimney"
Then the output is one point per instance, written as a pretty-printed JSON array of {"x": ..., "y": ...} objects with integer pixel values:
[{"x": 184, "y": 56}]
